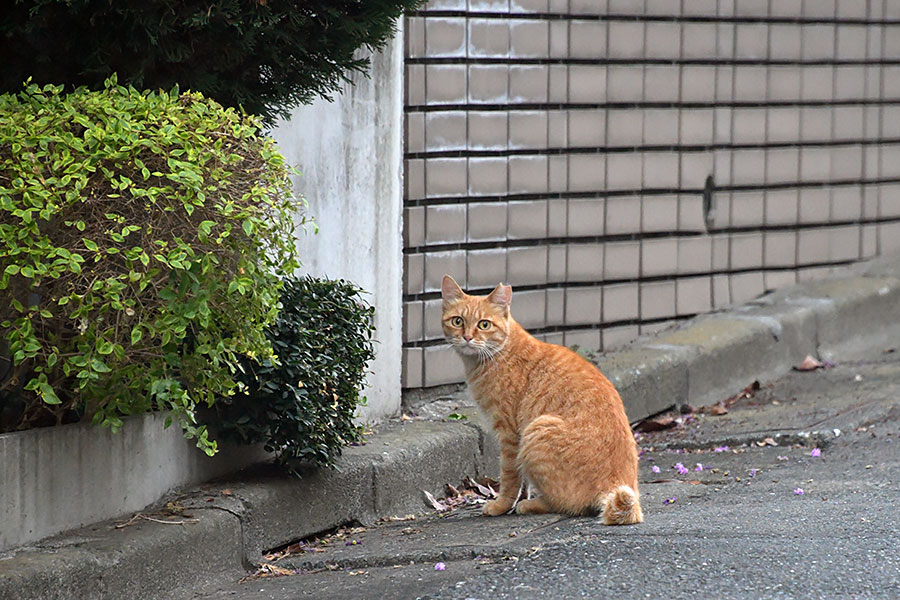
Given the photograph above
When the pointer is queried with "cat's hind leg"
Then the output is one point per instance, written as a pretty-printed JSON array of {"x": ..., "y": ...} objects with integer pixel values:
[
  {"x": 548, "y": 459},
  {"x": 533, "y": 506}
]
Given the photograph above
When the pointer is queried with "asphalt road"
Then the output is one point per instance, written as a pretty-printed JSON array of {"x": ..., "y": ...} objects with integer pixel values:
[{"x": 738, "y": 528}]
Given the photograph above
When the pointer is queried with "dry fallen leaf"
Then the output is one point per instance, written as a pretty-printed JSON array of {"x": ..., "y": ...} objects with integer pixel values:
[
  {"x": 433, "y": 502},
  {"x": 656, "y": 424},
  {"x": 721, "y": 407},
  {"x": 486, "y": 491},
  {"x": 718, "y": 409},
  {"x": 809, "y": 364}
]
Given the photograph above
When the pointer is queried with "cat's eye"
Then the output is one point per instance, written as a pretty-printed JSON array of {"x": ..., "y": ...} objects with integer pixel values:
[
  {"x": 456, "y": 321},
  {"x": 484, "y": 324}
]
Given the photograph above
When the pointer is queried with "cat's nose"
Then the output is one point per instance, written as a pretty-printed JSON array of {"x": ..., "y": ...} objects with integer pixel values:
[{"x": 468, "y": 338}]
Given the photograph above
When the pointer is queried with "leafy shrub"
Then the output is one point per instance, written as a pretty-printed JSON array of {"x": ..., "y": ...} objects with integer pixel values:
[
  {"x": 303, "y": 407},
  {"x": 142, "y": 239},
  {"x": 264, "y": 56}
]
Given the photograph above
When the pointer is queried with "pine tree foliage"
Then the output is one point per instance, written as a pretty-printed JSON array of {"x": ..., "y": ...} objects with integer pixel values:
[{"x": 263, "y": 55}]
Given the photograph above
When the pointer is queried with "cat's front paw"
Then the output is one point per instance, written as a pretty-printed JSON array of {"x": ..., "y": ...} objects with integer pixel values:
[{"x": 496, "y": 507}]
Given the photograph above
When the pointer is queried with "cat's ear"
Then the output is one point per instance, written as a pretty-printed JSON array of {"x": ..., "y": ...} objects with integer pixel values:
[
  {"x": 501, "y": 296},
  {"x": 450, "y": 290}
]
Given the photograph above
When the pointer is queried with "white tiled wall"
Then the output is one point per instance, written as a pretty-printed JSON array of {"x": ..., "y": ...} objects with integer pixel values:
[{"x": 564, "y": 146}]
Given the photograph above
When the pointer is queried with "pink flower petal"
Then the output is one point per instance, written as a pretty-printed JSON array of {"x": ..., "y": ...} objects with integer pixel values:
[{"x": 440, "y": 566}]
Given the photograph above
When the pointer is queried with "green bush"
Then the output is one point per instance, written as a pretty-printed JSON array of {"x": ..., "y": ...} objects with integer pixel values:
[
  {"x": 264, "y": 56},
  {"x": 303, "y": 407},
  {"x": 142, "y": 241}
]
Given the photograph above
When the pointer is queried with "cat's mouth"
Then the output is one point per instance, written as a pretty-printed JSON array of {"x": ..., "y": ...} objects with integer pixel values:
[{"x": 467, "y": 348}]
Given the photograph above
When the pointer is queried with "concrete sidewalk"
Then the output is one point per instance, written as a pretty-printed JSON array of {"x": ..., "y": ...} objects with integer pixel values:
[
  {"x": 762, "y": 518},
  {"x": 219, "y": 531},
  {"x": 728, "y": 524}
]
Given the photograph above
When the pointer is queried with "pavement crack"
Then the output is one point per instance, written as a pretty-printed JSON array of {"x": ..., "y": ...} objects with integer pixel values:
[{"x": 246, "y": 561}]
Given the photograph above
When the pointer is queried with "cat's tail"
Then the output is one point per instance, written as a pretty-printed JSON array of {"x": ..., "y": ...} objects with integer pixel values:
[{"x": 622, "y": 507}]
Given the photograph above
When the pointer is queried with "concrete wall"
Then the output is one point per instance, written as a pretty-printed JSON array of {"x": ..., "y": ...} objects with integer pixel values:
[
  {"x": 628, "y": 164},
  {"x": 58, "y": 478},
  {"x": 349, "y": 154}
]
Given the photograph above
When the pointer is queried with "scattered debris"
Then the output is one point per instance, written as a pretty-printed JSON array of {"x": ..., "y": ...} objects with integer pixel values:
[
  {"x": 468, "y": 493},
  {"x": 766, "y": 442},
  {"x": 457, "y": 417},
  {"x": 317, "y": 543},
  {"x": 403, "y": 518},
  {"x": 141, "y": 516},
  {"x": 671, "y": 500},
  {"x": 485, "y": 490},
  {"x": 721, "y": 407},
  {"x": 268, "y": 570}
]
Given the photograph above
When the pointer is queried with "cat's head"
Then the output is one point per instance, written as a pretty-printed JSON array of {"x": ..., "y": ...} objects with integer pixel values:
[{"x": 476, "y": 325}]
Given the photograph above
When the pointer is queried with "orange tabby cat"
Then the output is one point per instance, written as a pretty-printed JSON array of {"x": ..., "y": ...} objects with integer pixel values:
[{"x": 560, "y": 422}]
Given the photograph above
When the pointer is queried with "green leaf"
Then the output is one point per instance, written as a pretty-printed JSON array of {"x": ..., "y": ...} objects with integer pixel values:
[
  {"x": 89, "y": 244},
  {"x": 99, "y": 366},
  {"x": 136, "y": 335},
  {"x": 48, "y": 395}
]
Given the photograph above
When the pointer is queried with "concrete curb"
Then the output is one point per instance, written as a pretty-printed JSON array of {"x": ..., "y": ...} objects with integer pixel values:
[{"x": 232, "y": 522}]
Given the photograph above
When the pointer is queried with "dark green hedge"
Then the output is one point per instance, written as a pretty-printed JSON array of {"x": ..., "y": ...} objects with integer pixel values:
[
  {"x": 303, "y": 407},
  {"x": 265, "y": 56}
]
